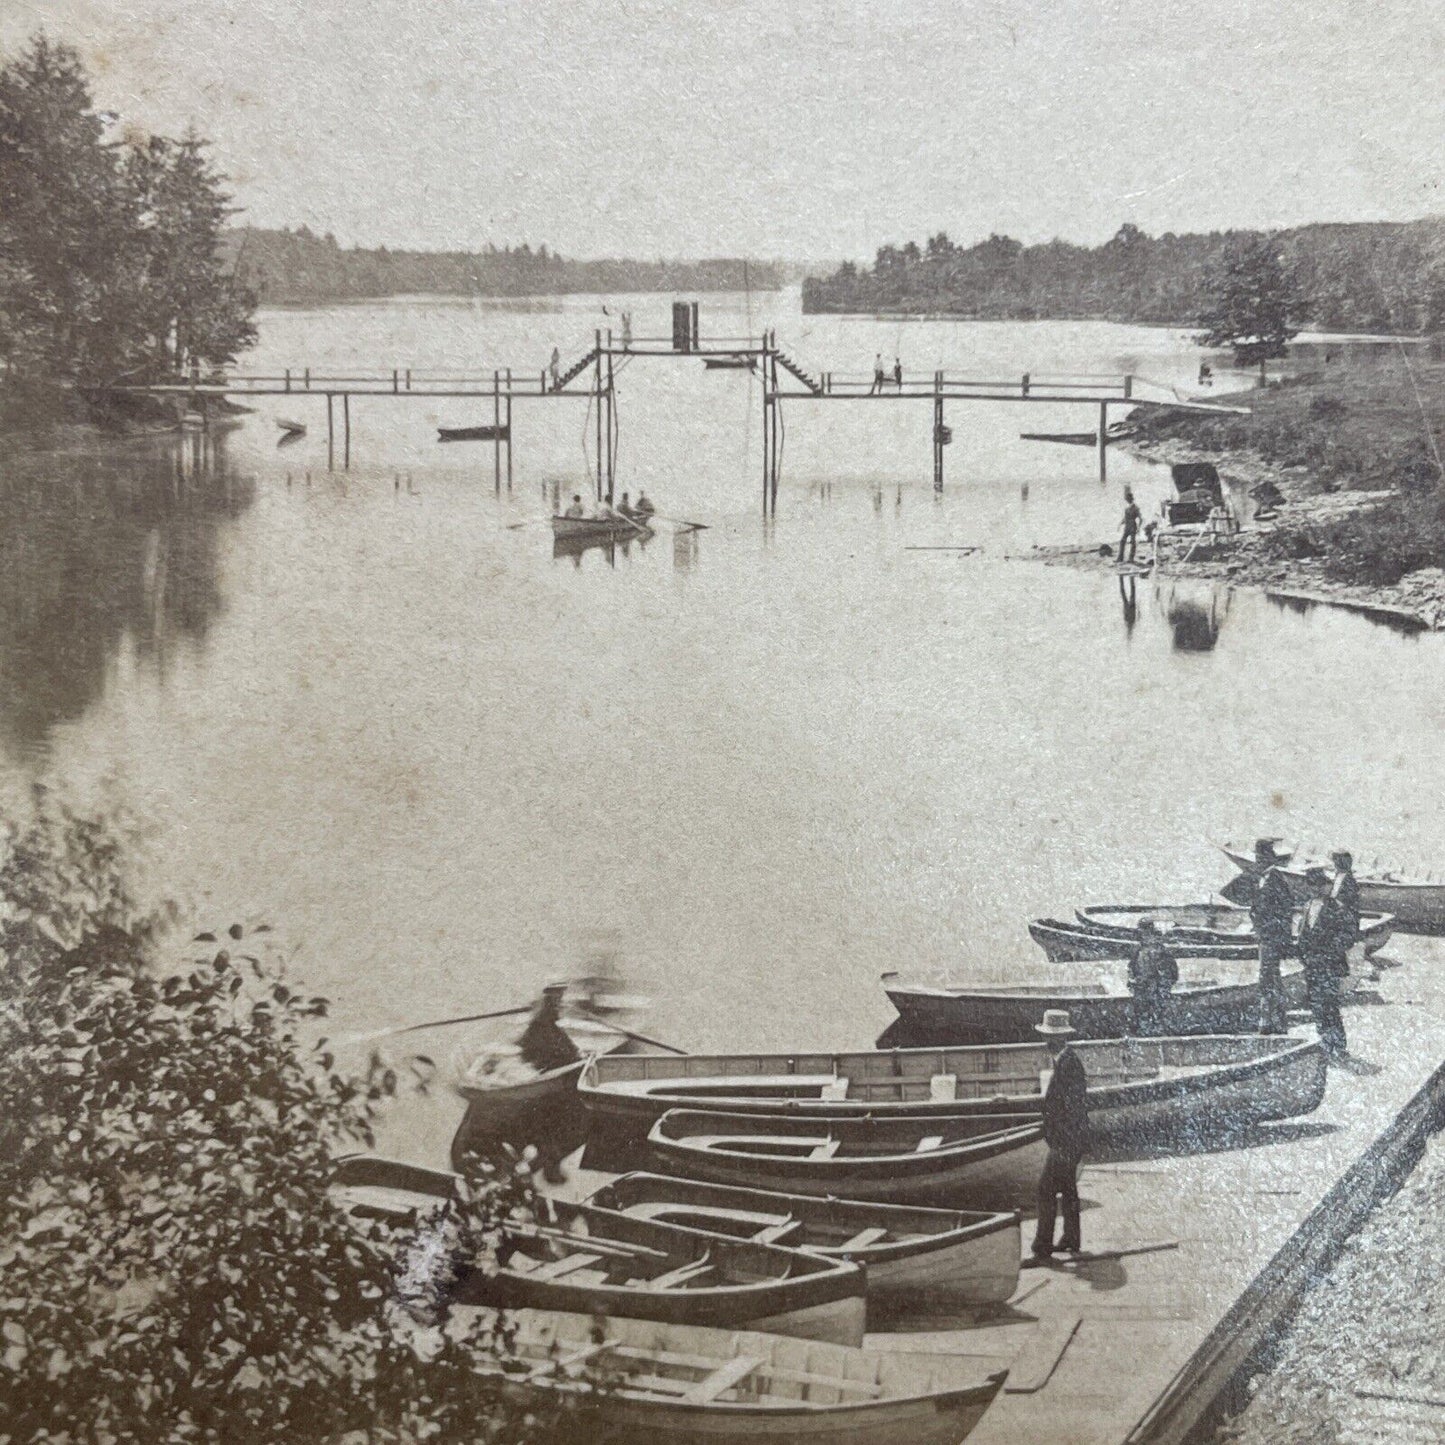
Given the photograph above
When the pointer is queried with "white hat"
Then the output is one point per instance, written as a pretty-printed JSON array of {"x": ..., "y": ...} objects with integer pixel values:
[{"x": 1056, "y": 1021}]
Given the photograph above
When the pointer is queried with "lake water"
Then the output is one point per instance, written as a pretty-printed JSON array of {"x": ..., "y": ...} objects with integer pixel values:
[{"x": 751, "y": 766}]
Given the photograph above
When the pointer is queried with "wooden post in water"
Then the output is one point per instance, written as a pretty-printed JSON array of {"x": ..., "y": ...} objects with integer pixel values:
[
  {"x": 772, "y": 366},
  {"x": 330, "y": 434},
  {"x": 1103, "y": 440},
  {"x": 346, "y": 430},
  {"x": 937, "y": 431},
  {"x": 509, "y": 428},
  {"x": 497, "y": 432},
  {"x": 597, "y": 397}
]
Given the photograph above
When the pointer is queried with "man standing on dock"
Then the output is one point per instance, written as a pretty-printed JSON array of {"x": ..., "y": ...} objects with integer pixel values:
[
  {"x": 1066, "y": 1132},
  {"x": 1346, "y": 892},
  {"x": 1132, "y": 518},
  {"x": 1271, "y": 911},
  {"x": 1324, "y": 941}
]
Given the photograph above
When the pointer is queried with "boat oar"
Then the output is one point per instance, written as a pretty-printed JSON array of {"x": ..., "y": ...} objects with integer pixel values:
[
  {"x": 636, "y": 1037},
  {"x": 681, "y": 522},
  {"x": 500, "y": 1013}
]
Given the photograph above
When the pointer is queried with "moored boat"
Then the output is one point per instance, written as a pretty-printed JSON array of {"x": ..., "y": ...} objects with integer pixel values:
[
  {"x": 917, "y": 1260},
  {"x": 1069, "y": 941},
  {"x": 1136, "y": 1086},
  {"x": 1417, "y": 904},
  {"x": 683, "y": 1384},
  {"x": 598, "y": 527},
  {"x": 1206, "y": 1000},
  {"x": 977, "y": 1159},
  {"x": 472, "y": 433},
  {"x": 291, "y": 428},
  {"x": 1193, "y": 927}
]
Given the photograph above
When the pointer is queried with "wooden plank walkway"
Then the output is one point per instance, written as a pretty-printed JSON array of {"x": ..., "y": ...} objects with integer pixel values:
[{"x": 1152, "y": 1339}]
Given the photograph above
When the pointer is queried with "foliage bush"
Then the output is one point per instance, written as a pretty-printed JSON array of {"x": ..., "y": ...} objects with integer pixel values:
[
  {"x": 173, "y": 1269},
  {"x": 1378, "y": 545}
]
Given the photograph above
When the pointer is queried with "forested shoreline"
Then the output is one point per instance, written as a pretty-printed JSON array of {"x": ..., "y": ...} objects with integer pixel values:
[
  {"x": 1365, "y": 277},
  {"x": 298, "y": 267}
]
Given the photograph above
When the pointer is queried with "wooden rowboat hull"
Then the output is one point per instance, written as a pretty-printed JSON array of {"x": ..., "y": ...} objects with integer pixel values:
[
  {"x": 1417, "y": 906},
  {"x": 596, "y": 527},
  {"x": 1079, "y": 943},
  {"x": 927, "y": 1261},
  {"x": 1137, "y": 1087},
  {"x": 984, "y": 1015},
  {"x": 1214, "y": 927},
  {"x": 798, "y": 1393}
]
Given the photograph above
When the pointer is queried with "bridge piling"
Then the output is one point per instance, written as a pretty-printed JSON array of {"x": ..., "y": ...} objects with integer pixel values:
[{"x": 346, "y": 431}]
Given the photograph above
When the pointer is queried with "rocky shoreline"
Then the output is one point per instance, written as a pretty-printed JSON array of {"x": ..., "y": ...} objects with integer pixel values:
[{"x": 1247, "y": 559}]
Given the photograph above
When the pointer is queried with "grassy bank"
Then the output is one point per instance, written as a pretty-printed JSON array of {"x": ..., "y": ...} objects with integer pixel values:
[{"x": 1355, "y": 449}]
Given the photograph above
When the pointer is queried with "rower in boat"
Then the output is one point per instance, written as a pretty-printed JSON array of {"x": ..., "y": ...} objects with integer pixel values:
[
  {"x": 644, "y": 509},
  {"x": 625, "y": 508},
  {"x": 576, "y": 510},
  {"x": 1153, "y": 972},
  {"x": 545, "y": 1046}
]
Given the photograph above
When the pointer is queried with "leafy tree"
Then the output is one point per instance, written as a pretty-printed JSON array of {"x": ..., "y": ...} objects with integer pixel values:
[
  {"x": 174, "y": 1270},
  {"x": 1256, "y": 308}
]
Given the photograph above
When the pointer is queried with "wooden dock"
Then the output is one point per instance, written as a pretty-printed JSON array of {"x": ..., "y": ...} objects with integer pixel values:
[{"x": 591, "y": 378}]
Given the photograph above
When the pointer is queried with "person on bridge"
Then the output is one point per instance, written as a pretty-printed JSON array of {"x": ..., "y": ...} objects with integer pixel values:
[
  {"x": 554, "y": 368},
  {"x": 1132, "y": 518},
  {"x": 1066, "y": 1132},
  {"x": 898, "y": 373},
  {"x": 877, "y": 374},
  {"x": 576, "y": 509},
  {"x": 627, "y": 331}
]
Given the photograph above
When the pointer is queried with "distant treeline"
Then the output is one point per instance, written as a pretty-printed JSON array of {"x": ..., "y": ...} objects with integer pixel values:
[
  {"x": 300, "y": 266},
  {"x": 1372, "y": 276}
]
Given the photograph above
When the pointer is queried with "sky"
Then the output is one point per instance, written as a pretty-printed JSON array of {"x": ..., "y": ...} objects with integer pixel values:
[{"x": 809, "y": 131}]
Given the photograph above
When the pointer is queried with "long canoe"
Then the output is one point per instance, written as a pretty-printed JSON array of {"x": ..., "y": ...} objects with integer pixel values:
[
  {"x": 1069, "y": 941},
  {"x": 927, "y": 1260},
  {"x": 1197, "y": 926},
  {"x": 1418, "y": 904},
  {"x": 1137, "y": 1087},
  {"x": 1206, "y": 1000},
  {"x": 973, "y": 1160},
  {"x": 684, "y": 1384}
]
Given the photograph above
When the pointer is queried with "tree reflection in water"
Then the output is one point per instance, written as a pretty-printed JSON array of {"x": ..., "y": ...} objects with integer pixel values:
[{"x": 97, "y": 550}]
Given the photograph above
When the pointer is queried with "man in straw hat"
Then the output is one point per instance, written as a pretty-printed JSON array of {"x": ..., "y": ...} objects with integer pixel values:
[
  {"x": 1271, "y": 911},
  {"x": 1066, "y": 1132}
]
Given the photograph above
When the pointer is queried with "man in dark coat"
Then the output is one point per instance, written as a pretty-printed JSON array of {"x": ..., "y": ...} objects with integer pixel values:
[
  {"x": 1271, "y": 911},
  {"x": 1324, "y": 941},
  {"x": 1066, "y": 1132},
  {"x": 1346, "y": 892},
  {"x": 1153, "y": 972},
  {"x": 544, "y": 1043}
]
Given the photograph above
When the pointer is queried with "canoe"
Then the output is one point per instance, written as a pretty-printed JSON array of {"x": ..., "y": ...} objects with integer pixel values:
[
  {"x": 1072, "y": 942},
  {"x": 917, "y": 1260},
  {"x": 1211, "y": 997},
  {"x": 1417, "y": 904},
  {"x": 970, "y": 1159},
  {"x": 1199, "y": 925},
  {"x": 507, "y": 1103},
  {"x": 683, "y": 1384},
  {"x": 1136, "y": 1086},
  {"x": 597, "y": 527},
  {"x": 593, "y": 1260}
]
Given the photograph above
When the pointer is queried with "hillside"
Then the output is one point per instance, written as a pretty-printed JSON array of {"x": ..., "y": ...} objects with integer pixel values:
[
  {"x": 301, "y": 267},
  {"x": 1366, "y": 277}
]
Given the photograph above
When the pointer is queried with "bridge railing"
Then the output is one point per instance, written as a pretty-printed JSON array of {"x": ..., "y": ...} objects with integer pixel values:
[{"x": 1058, "y": 386}]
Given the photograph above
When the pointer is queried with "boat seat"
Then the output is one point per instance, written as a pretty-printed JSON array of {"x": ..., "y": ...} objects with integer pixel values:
[
  {"x": 573, "y": 1357},
  {"x": 826, "y": 1150},
  {"x": 570, "y": 1264},
  {"x": 683, "y": 1274},
  {"x": 864, "y": 1239},
  {"x": 727, "y": 1375},
  {"x": 775, "y": 1233},
  {"x": 834, "y": 1090},
  {"x": 929, "y": 1141},
  {"x": 943, "y": 1088}
]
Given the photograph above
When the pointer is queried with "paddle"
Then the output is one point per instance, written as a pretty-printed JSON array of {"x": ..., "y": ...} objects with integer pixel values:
[
  {"x": 638, "y": 1038},
  {"x": 500, "y": 1013},
  {"x": 681, "y": 522}
]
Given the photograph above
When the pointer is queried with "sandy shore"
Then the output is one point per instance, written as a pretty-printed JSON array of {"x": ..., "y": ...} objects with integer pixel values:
[{"x": 1245, "y": 559}]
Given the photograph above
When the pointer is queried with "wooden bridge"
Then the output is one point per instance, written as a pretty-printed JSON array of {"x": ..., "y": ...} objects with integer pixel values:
[{"x": 591, "y": 378}]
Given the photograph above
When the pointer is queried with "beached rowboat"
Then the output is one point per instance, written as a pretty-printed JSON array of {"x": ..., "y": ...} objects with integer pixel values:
[
  {"x": 1136, "y": 1086},
  {"x": 1073, "y": 942},
  {"x": 597, "y": 527},
  {"x": 1195, "y": 928},
  {"x": 977, "y": 1159},
  {"x": 917, "y": 1260},
  {"x": 1418, "y": 904},
  {"x": 681, "y": 1385},
  {"x": 1206, "y": 1000}
]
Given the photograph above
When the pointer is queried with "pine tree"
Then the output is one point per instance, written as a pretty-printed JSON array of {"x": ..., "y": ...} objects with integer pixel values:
[{"x": 1256, "y": 307}]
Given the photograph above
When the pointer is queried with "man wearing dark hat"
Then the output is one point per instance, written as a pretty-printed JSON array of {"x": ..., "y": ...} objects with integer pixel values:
[
  {"x": 1153, "y": 972},
  {"x": 1324, "y": 942},
  {"x": 1066, "y": 1132},
  {"x": 1271, "y": 911}
]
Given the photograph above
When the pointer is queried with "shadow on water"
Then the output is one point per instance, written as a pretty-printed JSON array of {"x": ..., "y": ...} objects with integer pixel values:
[
  {"x": 97, "y": 550},
  {"x": 1195, "y": 620},
  {"x": 1396, "y": 622}
]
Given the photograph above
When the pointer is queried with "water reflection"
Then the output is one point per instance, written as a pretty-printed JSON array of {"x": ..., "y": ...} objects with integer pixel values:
[
  {"x": 1195, "y": 620},
  {"x": 97, "y": 550},
  {"x": 1129, "y": 598},
  {"x": 609, "y": 546},
  {"x": 684, "y": 550}
]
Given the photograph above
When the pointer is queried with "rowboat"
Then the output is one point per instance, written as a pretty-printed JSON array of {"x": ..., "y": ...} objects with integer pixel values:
[
  {"x": 291, "y": 428},
  {"x": 1418, "y": 904},
  {"x": 367, "y": 1187},
  {"x": 972, "y": 1158},
  {"x": 1074, "y": 942},
  {"x": 597, "y": 527},
  {"x": 916, "y": 1259},
  {"x": 471, "y": 433},
  {"x": 592, "y": 1260},
  {"x": 1136, "y": 1086},
  {"x": 1206, "y": 1000},
  {"x": 1204, "y": 925},
  {"x": 509, "y": 1102},
  {"x": 682, "y": 1384}
]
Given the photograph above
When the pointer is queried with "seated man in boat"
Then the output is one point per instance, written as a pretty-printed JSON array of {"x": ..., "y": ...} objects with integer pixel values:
[
  {"x": 644, "y": 508},
  {"x": 1153, "y": 972},
  {"x": 544, "y": 1043},
  {"x": 1066, "y": 1132},
  {"x": 576, "y": 509},
  {"x": 624, "y": 507}
]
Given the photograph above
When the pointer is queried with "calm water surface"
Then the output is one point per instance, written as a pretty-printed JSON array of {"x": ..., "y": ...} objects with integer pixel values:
[{"x": 752, "y": 766}]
